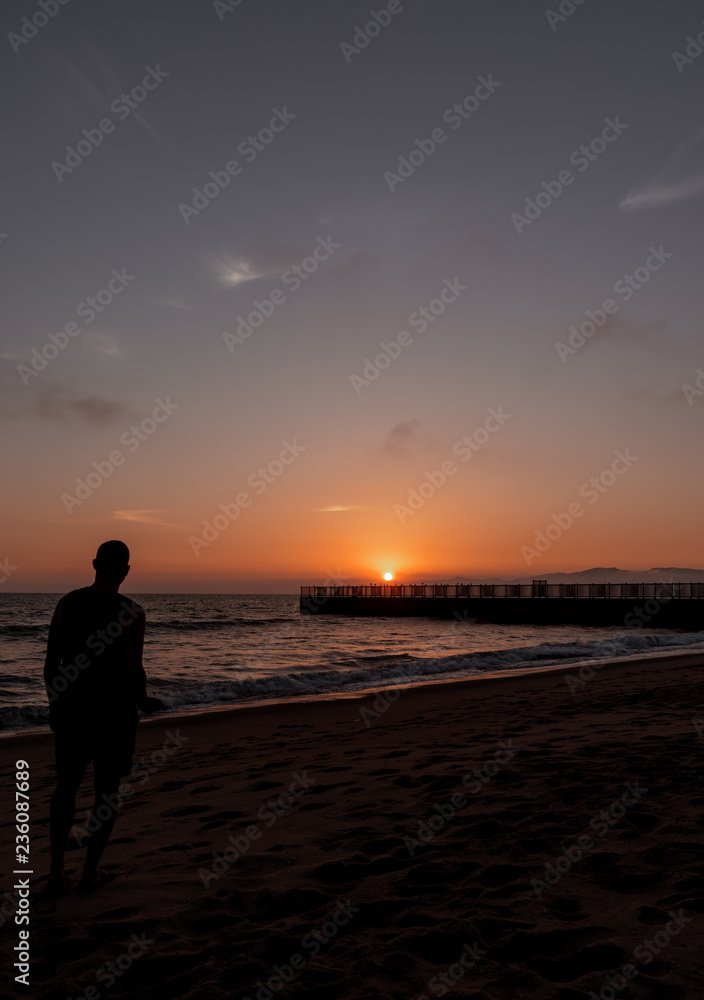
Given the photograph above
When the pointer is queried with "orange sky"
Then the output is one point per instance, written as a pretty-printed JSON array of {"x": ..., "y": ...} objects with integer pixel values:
[{"x": 381, "y": 325}]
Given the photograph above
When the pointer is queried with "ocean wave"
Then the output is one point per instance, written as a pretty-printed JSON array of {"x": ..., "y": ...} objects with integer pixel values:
[
  {"x": 325, "y": 681},
  {"x": 22, "y": 716},
  {"x": 201, "y": 624},
  {"x": 391, "y": 671},
  {"x": 40, "y": 631},
  {"x": 24, "y": 631}
]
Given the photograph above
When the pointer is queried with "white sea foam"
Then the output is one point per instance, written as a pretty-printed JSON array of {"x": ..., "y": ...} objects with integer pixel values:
[{"x": 207, "y": 651}]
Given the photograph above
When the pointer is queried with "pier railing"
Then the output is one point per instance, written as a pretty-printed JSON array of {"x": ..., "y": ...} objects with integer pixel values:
[{"x": 610, "y": 591}]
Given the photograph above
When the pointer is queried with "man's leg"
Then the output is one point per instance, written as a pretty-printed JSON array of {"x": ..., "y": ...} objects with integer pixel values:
[
  {"x": 61, "y": 816},
  {"x": 70, "y": 768},
  {"x": 106, "y": 783}
]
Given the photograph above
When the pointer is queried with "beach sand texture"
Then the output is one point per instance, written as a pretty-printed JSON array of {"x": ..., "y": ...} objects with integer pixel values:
[{"x": 358, "y": 882}]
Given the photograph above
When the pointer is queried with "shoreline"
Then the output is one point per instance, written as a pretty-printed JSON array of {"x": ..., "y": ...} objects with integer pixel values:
[
  {"x": 604, "y": 667},
  {"x": 442, "y": 817}
]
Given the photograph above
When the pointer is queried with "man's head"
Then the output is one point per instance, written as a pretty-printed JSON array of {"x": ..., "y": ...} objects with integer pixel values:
[{"x": 111, "y": 563}]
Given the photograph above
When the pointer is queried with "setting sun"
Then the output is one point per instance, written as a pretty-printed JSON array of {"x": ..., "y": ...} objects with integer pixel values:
[{"x": 388, "y": 576}]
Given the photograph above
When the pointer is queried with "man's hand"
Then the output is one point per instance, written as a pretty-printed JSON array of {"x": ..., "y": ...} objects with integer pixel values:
[{"x": 150, "y": 705}]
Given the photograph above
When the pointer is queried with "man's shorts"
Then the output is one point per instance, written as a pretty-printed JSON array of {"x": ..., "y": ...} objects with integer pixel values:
[{"x": 110, "y": 750}]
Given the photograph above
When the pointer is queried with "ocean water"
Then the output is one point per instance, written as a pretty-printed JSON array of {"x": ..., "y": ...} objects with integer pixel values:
[{"x": 219, "y": 649}]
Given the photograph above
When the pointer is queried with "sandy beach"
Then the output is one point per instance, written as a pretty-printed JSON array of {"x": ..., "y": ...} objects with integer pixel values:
[{"x": 495, "y": 838}]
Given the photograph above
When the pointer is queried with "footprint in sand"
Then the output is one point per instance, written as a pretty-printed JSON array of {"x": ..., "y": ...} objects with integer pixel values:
[
  {"x": 186, "y": 811},
  {"x": 651, "y": 916},
  {"x": 500, "y": 875}
]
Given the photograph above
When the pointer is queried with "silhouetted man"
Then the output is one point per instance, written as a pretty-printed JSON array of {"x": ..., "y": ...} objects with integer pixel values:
[{"x": 95, "y": 681}]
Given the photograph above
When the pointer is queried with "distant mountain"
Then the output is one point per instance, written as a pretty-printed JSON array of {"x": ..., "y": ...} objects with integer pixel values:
[{"x": 599, "y": 574}]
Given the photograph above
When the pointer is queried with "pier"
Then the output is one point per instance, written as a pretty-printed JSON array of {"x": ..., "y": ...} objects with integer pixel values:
[{"x": 631, "y": 605}]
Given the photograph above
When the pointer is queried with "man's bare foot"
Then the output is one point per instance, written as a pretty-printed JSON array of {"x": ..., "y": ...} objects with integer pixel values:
[
  {"x": 95, "y": 880},
  {"x": 58, "y": 884}
]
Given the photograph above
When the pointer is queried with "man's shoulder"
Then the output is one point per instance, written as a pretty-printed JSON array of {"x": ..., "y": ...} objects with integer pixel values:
[
  {"x": 90, "y": 595},
  {"x": 74, "y": 594},
  {"x": 128, "y": 603},
  {"x": 73, "y": 597}
]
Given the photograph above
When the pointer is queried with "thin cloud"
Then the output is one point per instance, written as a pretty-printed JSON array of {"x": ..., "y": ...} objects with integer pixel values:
[
  {"x": 54, "y": 403},
  {"x": 269, "y": 256},
  {"x": 238, "y": 271},
  {"x": 264, "y": 257},
  {"x": 155, "y": 133},
  {"x": 681, "y": 178},
  {"x": 658, "y": 195},
  {"x": 150, "y": 516},
  {"x": 175, "y": 303},
  {"x": 403, "y": 439},
  {"x": 103, "y": 343},
  {"x": 622, "y": 328},
  {"x": 357, "y": 264},
  {"x": 101, "y": 93},
  {"x": 338, "y": 509}
]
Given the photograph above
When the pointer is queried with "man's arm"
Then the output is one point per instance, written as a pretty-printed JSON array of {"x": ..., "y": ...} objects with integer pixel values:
[
  {"x": 135, "y": 667},
  {"x": 54, "y": 651}
]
